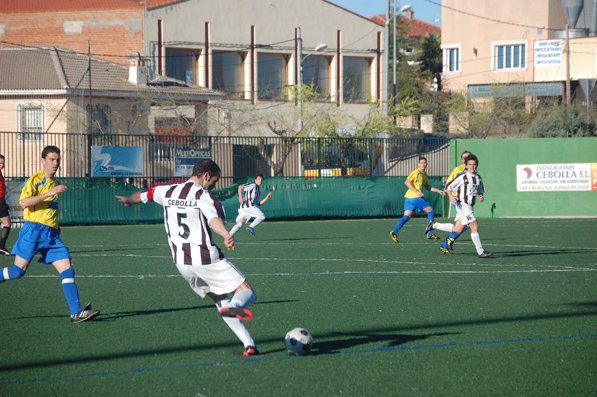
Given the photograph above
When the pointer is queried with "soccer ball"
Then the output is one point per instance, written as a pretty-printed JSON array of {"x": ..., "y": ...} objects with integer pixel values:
[{"x": 298, "y": 341}]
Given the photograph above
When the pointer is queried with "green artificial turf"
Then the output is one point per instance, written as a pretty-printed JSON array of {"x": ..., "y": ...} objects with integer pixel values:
[{"x": 387, "y": 319}]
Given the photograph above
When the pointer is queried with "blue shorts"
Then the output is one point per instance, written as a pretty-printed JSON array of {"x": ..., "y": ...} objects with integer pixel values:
[
  {"x": 411, "y": 204},
  {"x": 35, "y": 237}
]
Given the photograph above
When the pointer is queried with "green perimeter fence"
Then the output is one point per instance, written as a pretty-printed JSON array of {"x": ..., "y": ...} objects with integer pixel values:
[{"x": 310, "y": 177}]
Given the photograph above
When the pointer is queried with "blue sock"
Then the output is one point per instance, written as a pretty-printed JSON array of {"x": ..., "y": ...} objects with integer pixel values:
[
  {"x": 71, "y": 293},
  {"x": 463, "y": 230},
  {"x": 11, "y": 273},
  {"x": 401, "y": 223},
  {"x": 453, "y": 235},
  {"x": 430, "y": 218}
]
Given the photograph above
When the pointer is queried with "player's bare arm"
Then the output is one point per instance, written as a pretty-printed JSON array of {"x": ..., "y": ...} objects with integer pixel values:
[
  {"x": 217, "y": 225},
  {"x": 128, "y": 201},
  {"x": 240, "y": 194},
  {"x": 267, "y": 197},
  {"x": 34, "y": 200}
]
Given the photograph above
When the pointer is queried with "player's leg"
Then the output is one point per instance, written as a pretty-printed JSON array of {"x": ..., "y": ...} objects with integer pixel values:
[
  {"x": 24, "y": 249},
  {"x": 58, "y": 255},
  {"x": 444, "y": 227},
  {"x": 236, "y": 325},
  {"x": 477, "y": 240},
  {"x": 409, "y": 206},
  {"x": 5, "y": 221},
  {"x": 447, "y": 246},
  {"x": 17, "y": 270},
  {"x": 430, "y": 217},
  {"x": 259, "y": 217},
  {"x": 238, "y": 305},
  {"x": 240, "y": 221}
]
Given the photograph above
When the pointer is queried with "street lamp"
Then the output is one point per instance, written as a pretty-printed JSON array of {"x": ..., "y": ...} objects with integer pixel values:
[
  {"x": 402, "y": 10},
  {"x": 300, "y": 59}
]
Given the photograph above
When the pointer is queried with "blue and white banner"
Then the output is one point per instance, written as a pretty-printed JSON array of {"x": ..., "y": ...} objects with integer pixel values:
[
  {"x": 113, "y": 161},
  {"x": 186, "y": 158}
]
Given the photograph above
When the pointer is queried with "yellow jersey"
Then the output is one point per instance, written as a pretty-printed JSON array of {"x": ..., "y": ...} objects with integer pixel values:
[
  {"x": 45, "y": 212},
  {"x": 455, "y": 171},
  {"x": 419, "y": 179}
]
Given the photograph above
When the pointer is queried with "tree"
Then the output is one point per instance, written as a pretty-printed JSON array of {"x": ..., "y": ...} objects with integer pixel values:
[{"x": 430, "y": 58}]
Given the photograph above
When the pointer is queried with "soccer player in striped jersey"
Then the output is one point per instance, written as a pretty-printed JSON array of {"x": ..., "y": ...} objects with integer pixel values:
[
  {"x": 447, "y": 227},
  {"x": 249, "y": 197},
  {"x": 467, "y": 186},
  {"x": 415, "y": 199},
  {"x": 41, "y": 233},
  {"x": 191, "y": 212}
]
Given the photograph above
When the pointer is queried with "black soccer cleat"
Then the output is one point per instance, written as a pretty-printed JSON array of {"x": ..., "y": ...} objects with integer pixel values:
[
  {"x": 4, "y": 251},
  {"x": 485, "y": 254},
  {"x": 84, "y": 315}
]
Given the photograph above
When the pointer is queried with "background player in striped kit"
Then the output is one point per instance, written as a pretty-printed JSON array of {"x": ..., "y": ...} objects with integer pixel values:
[
  {"x": 190, "y": 210},
  {"x": 249, "y": 197},
  {"x": 468, "y": 186}
]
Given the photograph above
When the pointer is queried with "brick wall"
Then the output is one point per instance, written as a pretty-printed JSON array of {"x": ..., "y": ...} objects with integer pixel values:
[{"x": 116, "y": 35}]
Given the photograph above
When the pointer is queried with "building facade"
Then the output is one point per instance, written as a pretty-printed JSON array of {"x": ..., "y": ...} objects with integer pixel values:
[{"x": 517, "y": 48}]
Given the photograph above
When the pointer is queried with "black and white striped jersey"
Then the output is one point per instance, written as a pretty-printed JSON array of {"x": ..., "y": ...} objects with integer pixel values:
[
  {"x": 188, "y": 208},
  {"x": 251, "y": 195},
  {"x": 467, "y": 186}
]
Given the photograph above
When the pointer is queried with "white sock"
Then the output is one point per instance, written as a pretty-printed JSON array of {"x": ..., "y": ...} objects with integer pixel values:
[
  {"x": 243, "y": 298},
  {"x": 444, "y": 227},
  {"x": 236, "y": 325},
  {"x": 236, "y": 228},
  {"x": 477, "y": 241},
  {"x": 257, "y": 221}
]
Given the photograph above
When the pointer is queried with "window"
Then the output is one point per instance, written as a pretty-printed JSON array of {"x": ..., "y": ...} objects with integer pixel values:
[
  {"x": 271, "y": 76},
  {"x": 356, "y": 79},
  {"x": 451, "y": 57},
  {"x": 101, "y": 120},
  {"x": 30, "y": 121},
  {"x": 316, "y": 72},
  {"x": 227, "y": 72},
  {"x": 181, "y": 64},
  {"x": 509, "y": 56}
]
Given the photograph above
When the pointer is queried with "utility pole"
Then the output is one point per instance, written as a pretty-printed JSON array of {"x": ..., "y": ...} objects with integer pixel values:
[
  {"x": 299, "y": 76},
  {"x": 90, "y": 121},
  {"x": 567, "y": 65}
]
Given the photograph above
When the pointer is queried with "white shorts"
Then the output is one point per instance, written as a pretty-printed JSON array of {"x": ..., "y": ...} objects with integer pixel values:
[
  {"x": 248, "y": 213},
  {"x": 218, "y": 278},
  {"x": 464, "y": 213}
]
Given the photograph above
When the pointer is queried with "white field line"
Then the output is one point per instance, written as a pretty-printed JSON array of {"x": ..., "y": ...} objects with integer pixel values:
[
  {"x": 316, "y": 243},
  {"x": 344, "y": 273},
  {"x": 352, "y": 260}
]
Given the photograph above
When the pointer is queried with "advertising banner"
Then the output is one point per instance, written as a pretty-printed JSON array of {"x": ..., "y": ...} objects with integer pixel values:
[
  {"x": 113, "y": 161},
  {"x": 556, "y": 177},
  {"x": 548, "y": 52},
  {"x": 186, "y": 158}
]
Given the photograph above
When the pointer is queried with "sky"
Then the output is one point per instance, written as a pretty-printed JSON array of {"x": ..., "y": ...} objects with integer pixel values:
[{"x": 424, "y": 10}]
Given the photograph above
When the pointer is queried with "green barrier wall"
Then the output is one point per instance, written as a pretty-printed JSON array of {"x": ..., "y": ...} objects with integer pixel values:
[
  {"x": 335, "y": 197},
  {"x": 497, "y": 165},
  {"x": 92, "y": 201}
]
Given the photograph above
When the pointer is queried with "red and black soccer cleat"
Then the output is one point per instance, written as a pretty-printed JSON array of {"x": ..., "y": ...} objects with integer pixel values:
[
  {"x": 250, "y": 351},
  {"x": 242, "y": 313}
]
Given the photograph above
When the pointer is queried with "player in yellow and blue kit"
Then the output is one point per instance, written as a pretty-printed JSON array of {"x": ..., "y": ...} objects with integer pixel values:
[
  {"x": 415, "y": 199},
  {"x": 41, "y": 233}
]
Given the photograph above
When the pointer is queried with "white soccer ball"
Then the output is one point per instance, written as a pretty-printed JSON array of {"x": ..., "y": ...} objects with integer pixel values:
[{"x": 298, "y": 341}]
